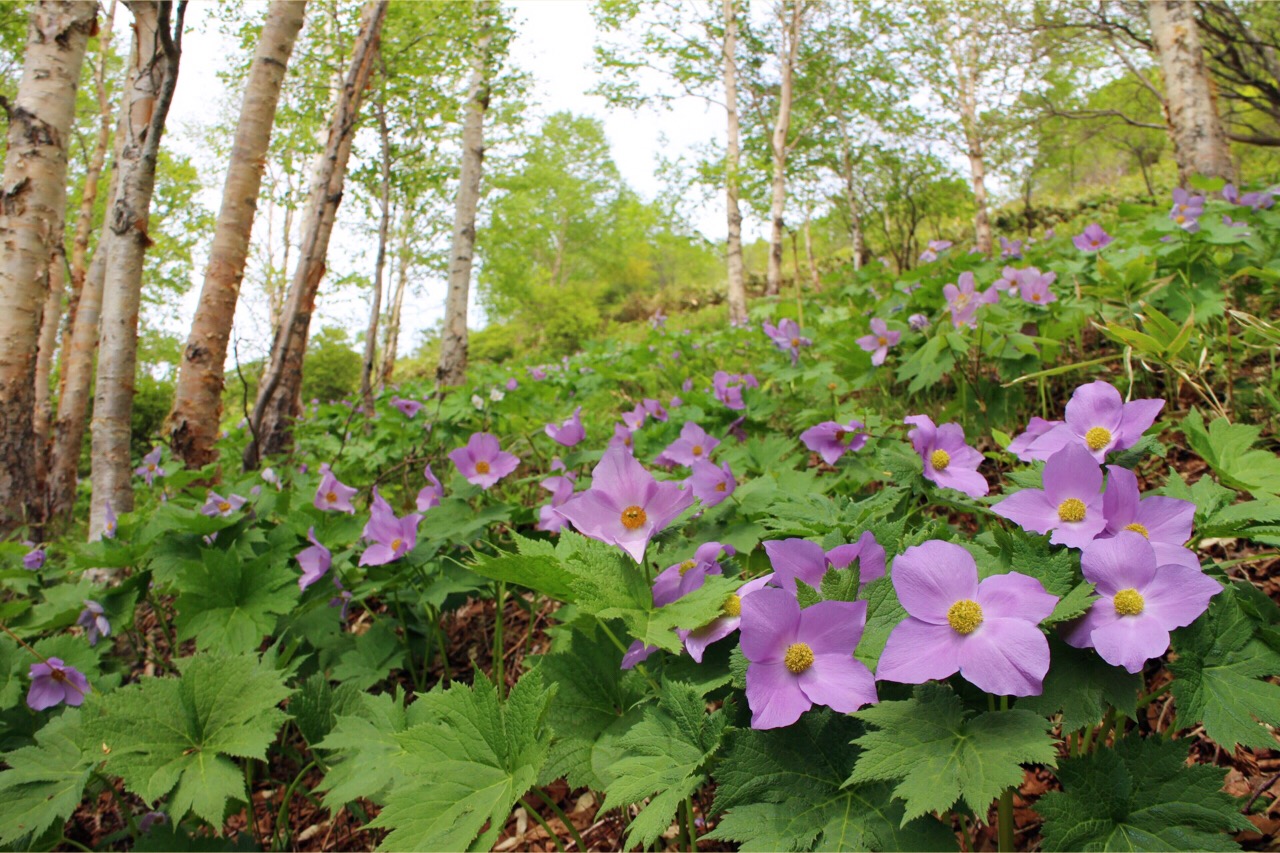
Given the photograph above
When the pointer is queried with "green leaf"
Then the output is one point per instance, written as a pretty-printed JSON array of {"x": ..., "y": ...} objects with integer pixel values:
[
  {"x": 940, "y": 753},
  {"x": 1081, "y": 686},
  {"x": 179, "y": 735},
  {"x": 783, "y": 789},
  {"x": 364, "y": 747},
  {"x": 536, "y": 567},
  {"x": 1073, "y": 604},
  {"x": 1139, "y": 796},
  {"x": 1227, "y": 447},
  {"x": 44, "y": 782},
  {"x": 884, "y": 612},
  {"x": 229, "y": 604},
  {"x": 664, "y": 758},
  {"x": 466, "y": 766},
  {"x": 371, "y": 656},
  {"x": 317, "y": 705}
]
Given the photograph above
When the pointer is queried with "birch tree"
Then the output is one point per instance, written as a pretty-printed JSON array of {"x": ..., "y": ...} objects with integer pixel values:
[
  {"x": 157, "y": 34},
  {"x": 384, "y": 228},
  {"x": 791, "y": 15},
  {"x": 32, "y": 205},
  {"x": 192, "y": 426}
]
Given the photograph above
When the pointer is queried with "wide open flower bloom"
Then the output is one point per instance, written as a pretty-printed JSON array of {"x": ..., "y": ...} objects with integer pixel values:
[
  {"x": 569, "y": 431},
  {"x": 218, "y": 506},
  {"x": 692, "y": 445},
  {"x": 94, "y": 622},
  {"x": 878, "y": 342},
  {"x": 408, "y": 408},
  {"x": 786, "y": 336},
  {"x": 1187, "y": 210},
  {"x": 729, "y": 386},
  {"x": 831, "y": 440},
  {"x": 34, "y": 559},
  {"x": 988, "y": 631},
  {"x": 948, "y": 461},
  {"x": 150, "y": 467},
  {"x": 800, "y": 559},
  {"x": 1033, "y": 286},
  {"x": 655, "y": 408},
  {"x": 712, "y": 483},
  {"x": 483, "y": 462},
  {"x": 1164, "y": 522},
  {"x": 1010, "y": 249},
  {"x": 697, "y": 641},
  {"x": 561, "y": 489},
  {"x": 1092, "y": 239},
  {"x": 1139, "y": 602},
  {"x": 799, "y": 658},
  {"x": 314, "y": 559},
  {"x": 392, "y": 537},
  {"x": 431, "y": 493},
  {"x": 332, "y": 494},
  {"x": 1070, "y": 504},
  {"x": 625, "y": 505},
  {"x": 54, "y": 682},
  {"x": 963, "y": 300},
  {"x": 1098, "y": 419}
]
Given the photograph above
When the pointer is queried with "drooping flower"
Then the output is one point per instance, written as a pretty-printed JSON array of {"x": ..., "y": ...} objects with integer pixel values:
[
  {"x": 963, "y": 300},
  {"x": 332, "y": 494},
  {"x": 1164, "y": 522},
  {"x": 513, "y": 384},
  {"x": 1139, "y": 601},
  {"x": 800, "y": 559},
  {"x": 108, "y": 522},
  {"x": 430, "y": 494},
  {"x": 622, "y": 438},
  {"x": 1092, "y": 239},
  {"x": 34, "y": 559},
  {"x": 635, "y": 418},
  {"x": 561, "y": 489},
  {"x": 711, "y": 483},
  {"x": 392, "y": 537},
  {"x": 483, "y": 462},
  {"x": 948, "y": 461},
  {"x": 625, "y": 505},
  {"x": 54, "y": 682},
  {"x": 1187, "y": 210},
  {"x": 831, "y": 440},
  {"x": 1070, "y": 504},
  {"x": 150, "y": 467},
  {"x": 655, "y": 408},
  {"x": 878, "y": 342},
  {"x": 94, "y": 622},
  {"x": 988, "y": 631},
  {"x": 940, "y": 245},
  {"x": 918, "y": 322},
  {"x": 799, "y": 658},
  {"x": 697, "y": 641},
  {"x": 408, "y": 408},
  {"x": 1036, "y": 428},
  {"x": 314, "y": 559},
  {"x": 692, "y": 445},
  {"x": 218, "y": 506},
  {"x": 729, "y": 386},
  {"x": 1098, "y": 419},
  {"x": 1010, "y": 249},
  {"x": 786, "y": 337},
  {"x": 678, "y": 580},
  {"x": 569, "y": 431}
]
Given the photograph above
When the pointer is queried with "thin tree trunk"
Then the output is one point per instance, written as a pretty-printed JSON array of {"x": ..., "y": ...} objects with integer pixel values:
[
  {"x": 192, "y": 425},
  {"x": 384, "y": 226},
  {"x": 967, "y": 83},
  {"x": 855, "y": 212},
  {"x": 393, "y": 321},
  {"x": 814, "y": 278},
  {"x": 125, "y": 241},
  {"x": 453, "y": 343},
  {"x": 33, "y": 201},
  {"x": 1199, "y": 143},
  {"x": 279, "y": 396},
  {"x": 781, "y": 125},
  {"x": 57, "y": 278},
  {"x": 733, "y": 156}
]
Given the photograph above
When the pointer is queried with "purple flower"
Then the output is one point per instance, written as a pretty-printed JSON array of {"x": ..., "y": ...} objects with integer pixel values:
[
  {"x": 218, "y": 506},
  {"x": 879, "y": 341},
  {"x": 1092, "y": 239},
  {"x": 687, "y": 385},
  {"x": 918, "y": 322},
  {"x": 831, "y": 440},
  {"x": 786, "y": 337},
  {"x": 537, "y": 373},
  {"x": 637, "y": 653},
  {"x": 408, "y": 408},
  {"x": 392, "y": 537},
  {"x": 963, "y": 300},
  {"x": 635, "y": 418},
  {"x": 928, "y": 256},
  {"x": 33, "y": 560},
  {"x": 333, "y": 495},
  {"x": 625, "y": 506},
  {"x": 1038, "y": 427},
  {"x": 1231, "y": 223},
  {"x": 622, "y": 438},
  {"x": 94, "y": 622},
  {"x": 658, "y": 320},
  {"x": 431, "y": 493},
  {"x": 1164, "y": 522},
  {"x": 798, "y": 658},
  {"x": 948, "y": 461},
  {"x": 315, "y": 561},
  {"x": 728, "y": 388},
  {"x": 1031, "y": 284},
  {"x": 483, "y": 462},
  {"x": 150, "y": 467},
  {"x": 53, "y": 682},
  {"x": 569, "y": 431},
  {"x": 678, "y": 580},
  {"x": 692, "y": 445},
  {"x": 513, "y": 384},
  {"x": 800, "y": 559},
  {"x": 1010, "y": 249},
  {"x": 1099, "y": 420},
  {"x": 151, "y": 819},
  {"x": 1070, "y": 504},
  {"x": 697, "y": 641},
  {"x": 108, "y": 522},
  {"x": 988, "y": 632},
  {"x": 561, "y": 489},
  {"x": 1139, "y": 602},
  {"x": 1187, "y": 210},
  {"x": 711, "y": 483},
  {"x": 1231, "y": 194},
  {"x": 939, "y": 245},
  {"x": 270, "y": 476},
  {"x": 655, "y": 409},
  {"x": 1258, "y": 200}
]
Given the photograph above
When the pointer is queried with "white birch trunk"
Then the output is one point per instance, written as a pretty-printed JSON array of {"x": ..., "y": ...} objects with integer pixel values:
[
  {"x": 393, "y": 319},
  {"x": 781, "y": 126},
  {"x": 733, "y": 157},
  {"x": 384, "y": 226}
]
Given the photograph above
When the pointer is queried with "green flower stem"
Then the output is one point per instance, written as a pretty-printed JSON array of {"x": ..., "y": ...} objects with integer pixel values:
[
  {"x": 499, "y": 678},
  {"x": 542, "y": 823},
  {"x": 573, "y": 830},
  {"x": 282, "y": 816},
  {"x": 690, "y": 828},
  {"x": 1004, "y": 808}
]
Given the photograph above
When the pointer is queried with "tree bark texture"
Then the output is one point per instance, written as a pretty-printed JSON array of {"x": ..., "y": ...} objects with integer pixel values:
[
  {"x": 393, "y": 319},
  {"x": 57, "y": 279},
  {"x": 192, "y": 426},
  {"x": 967, "y": 91},
  {"x": 733, "y": 157},
  {"x": 453, "y": 343},
  {"x": 384, "y": 226},
  {"x": 781, "y": 126},
  {"x": 1199, "y": 143},
  {"x": 124, "y": 242},
  {"x": 33, "y": 201},
  {"x": 814, "y": 278},
  {"x": 279, "y": 396}
]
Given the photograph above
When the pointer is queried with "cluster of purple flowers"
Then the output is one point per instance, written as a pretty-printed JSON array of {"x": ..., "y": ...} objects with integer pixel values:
[
  {"x": 1030, "y": 284},
  {"x": 964, "y": 299},
  {"x": 729, "y": 387}
]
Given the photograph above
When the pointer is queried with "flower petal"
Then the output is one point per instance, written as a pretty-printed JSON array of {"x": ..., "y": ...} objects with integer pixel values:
[
  {"x": 1007, "y": 657},
  {"x": 917, "y": 652},
  {"x": 932, "y": 576}
]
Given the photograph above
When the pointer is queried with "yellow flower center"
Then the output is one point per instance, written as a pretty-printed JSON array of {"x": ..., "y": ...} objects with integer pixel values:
[
  {"x": 697, "y": 450},
  {"x": 396, "y": 543},
  {"x": 633, "y": 517},
  {"x": 882, "y": 341},
  {"x": 720, "y": 487},
  {"x": 151, "y": 466},
  {"x": 1071, "y": 510},
  {"x": 940, "y": 459},
  {"x": 965, "y": 616},
  {"x": 1138, "y": 528},
  {"x": 732, "y": 606},
  {"x": 1097, "y": 438},
  {"x": 795, "y": 342},
  {"x": 224, "y": 507},
  {"x": 686, "y": 566},
  {"x": 1180, "y": 219},
  {"x": 1035, "y": 297},
  {"x": 482, "y": 467},
  {"x": 331, "y": 497},
  {"x": 1129, "y": 602},
  {"x": 798, "y": 658}
]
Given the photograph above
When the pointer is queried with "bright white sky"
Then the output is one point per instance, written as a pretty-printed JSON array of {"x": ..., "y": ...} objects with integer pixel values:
[{"x": 554, "y": 43}]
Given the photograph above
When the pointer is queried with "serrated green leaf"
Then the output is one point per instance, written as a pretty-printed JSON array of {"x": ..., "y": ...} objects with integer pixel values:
[
  {"x": 940, "y": 753},
  {"x": 44, "y": 782},
  {"x": 884, "y": 612},
  {"x": 1228, "y": 448},
  {"x": 317, "y": 704},
  {"x": 228, "y": 604},
  {"x": 1073, "y": 604},
  {"x": 363, "y": 748},
  {"x": 1080, "y": 685}
]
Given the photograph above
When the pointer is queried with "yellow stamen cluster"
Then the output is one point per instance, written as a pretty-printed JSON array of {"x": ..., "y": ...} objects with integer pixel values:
[
  {"x": 882, "y": 341},
  {"x": 798, "y": 658},
  {"x": 1097, "y": 438},
  {"x": 732, "y": 606},
  {"x": 686, "y": 566},
  {"x": 1071, "y": 510},
  {"x": 396, "y": 543},
  {"x": 965, "y": 616},
  {"x": 795, "y": 342},
  {"x": 722, "y": 487},
  {"x": 633, "y": 517},
  {"x": 1138, "y": 528},
  {"x": 940, "y": 459},
  {"x": 482, "y": 467},
  {"x": 331, "y": 497},
  {"x": 224, "y": 507},
  {"x": 697, "y": 450},
  {"x": 1129, "y": 602}
]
